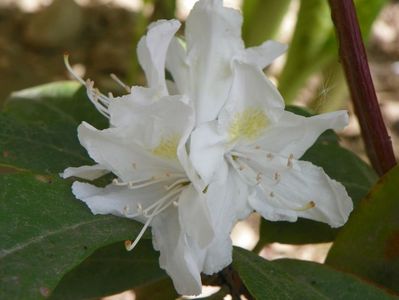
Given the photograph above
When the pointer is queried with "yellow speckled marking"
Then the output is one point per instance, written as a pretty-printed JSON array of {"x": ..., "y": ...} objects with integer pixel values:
[
  {"x": 167, "y": 148},
  {"x": 248, "y": 124}
]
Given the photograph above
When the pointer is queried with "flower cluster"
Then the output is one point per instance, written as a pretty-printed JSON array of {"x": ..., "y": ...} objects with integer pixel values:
[{"x": 194, "y": 155}]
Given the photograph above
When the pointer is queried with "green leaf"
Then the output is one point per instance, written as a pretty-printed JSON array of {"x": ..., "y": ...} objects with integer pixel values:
[
  {"x": 160, "y": 290},
  {"x": 111, "y": 270},
  {"x": 330, "y": 282},
  {"x": 264, "y": 280},
  {"x": 369, "y": 243},
  {"x": 291, "y": 279},
  {"x": 45, "y": 232},
  {"x": 63, "y": 102},
  {"x": 341, "y": 165},
  {"x": 39, "y": 147}
]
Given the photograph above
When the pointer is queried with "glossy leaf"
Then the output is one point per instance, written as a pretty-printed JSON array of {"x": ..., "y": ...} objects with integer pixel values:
[
  {"x": 63, "y": 102},
  {"x": 45, "y": 232},
  {"x": 264, "y": 280},
  {"x": 39, "y": 147},
  {"x": 369, "y": 243},
  {"x": 111, "y": 270},
  {"x": 330, "y": 282},
  {"x": 159, "y": 290},
  {"x": 292, "y": 279}
]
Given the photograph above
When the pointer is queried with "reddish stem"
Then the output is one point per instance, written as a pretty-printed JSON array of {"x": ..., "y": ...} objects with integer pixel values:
[{"x": 354, "y": 59}]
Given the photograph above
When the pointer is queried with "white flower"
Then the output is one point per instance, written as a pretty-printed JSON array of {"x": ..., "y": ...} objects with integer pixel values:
[
  {"x": 244, "y": 149},
  {"x": 145, "y": 148},
  {"x": 261, "y": 143},
  {"x": 202, "y": 65}
]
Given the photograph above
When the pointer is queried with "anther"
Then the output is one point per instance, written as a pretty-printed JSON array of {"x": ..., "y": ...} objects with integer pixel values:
[
  {"x": 271, "y": 194},
  {"x": 128, "y": 244},
  {"x": 289, "y": 162},
  {"x": 269, "y": 156},
  {"x": 259, "y": 177},
  {"x": 134, "y": 165},
  {"x": 257, "y": 147},
  {"x": 277, "y": 176},
  {"x": 307, "y": 206}
]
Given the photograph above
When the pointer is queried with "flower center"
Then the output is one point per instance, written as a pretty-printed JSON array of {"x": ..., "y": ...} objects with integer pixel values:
[
  {"x": 248, "y": 124},
  {"x": 167, "y": 148}
]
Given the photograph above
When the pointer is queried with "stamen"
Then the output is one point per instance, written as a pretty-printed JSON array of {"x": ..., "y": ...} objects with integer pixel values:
[
  {"x": 155, "y": 206},
  {"x": 271, "y": 194},
  {"x": 277, "y": 176},
  {"x": 135, "y": 184},
  {"x": 269, "y": 156},
  {"x": 289, "y": 162},
  {"x": 176, "y": 183},
  {"x": 307, "y": 206},
  {"x": 241, "y": 166},
  {"x": 129, "y": 245},
  {"x": 259, "y": 177},
  {"x": 120, "y": 82},
  {"x": 71, "y": 71},
  {"x": 99, "y": 100}
]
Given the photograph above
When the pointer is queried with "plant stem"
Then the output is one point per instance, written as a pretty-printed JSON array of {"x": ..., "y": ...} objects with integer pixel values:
[{"x": 354, "y": 59}]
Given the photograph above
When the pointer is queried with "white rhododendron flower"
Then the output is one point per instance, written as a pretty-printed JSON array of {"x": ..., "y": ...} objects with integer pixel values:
[
  {"x": 260, "y": 142},
  {"x": 193, "y": 156},
  {"x": 145, "y": 148},
  {"x": 201, "y": 66}
]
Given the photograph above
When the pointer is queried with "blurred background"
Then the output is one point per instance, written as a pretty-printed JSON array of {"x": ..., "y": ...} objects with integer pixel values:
[{"x": 101, "y": 36}]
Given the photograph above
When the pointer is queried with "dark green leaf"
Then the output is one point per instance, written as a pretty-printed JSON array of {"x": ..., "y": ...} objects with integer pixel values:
[
  {"x": 265, "y": 280},
  {"x": 369, "y": 243},
  {"x": 160, "y": 290},
  {"x": 63, "y": 102},
  {"x": 330, "y": 282},
  {"x": 111, "y": 270},
  {"x": 45, "y": 232},
  {"x": 39, "y": 147},
  {"x": 290, "y": 279}
]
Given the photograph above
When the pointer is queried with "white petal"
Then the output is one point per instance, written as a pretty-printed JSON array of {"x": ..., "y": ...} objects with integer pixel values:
[
  {"x": 228, "y": 202},
  {"x": 253, "y": 104},
  {"x": 263, "y": 55},
  {"x": 180, "y": 257},
  {"x": 152, "y": 50},
  {"x": 207, "y": 151},
  {"x": 194, "y": 217},
  {"x": 219, "y": 255},
  {"x": 177, "y": 65},
  {"x": 252, "y": 89},
  {"x": 85, "y": 172},
  {"x": 116, "y": 150},
  {"x": 298, "y": 189},
  {"x": 116, "y": 200},
  {"x": 294, "y": 134},
  {"x": 213, "y": 35}
]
